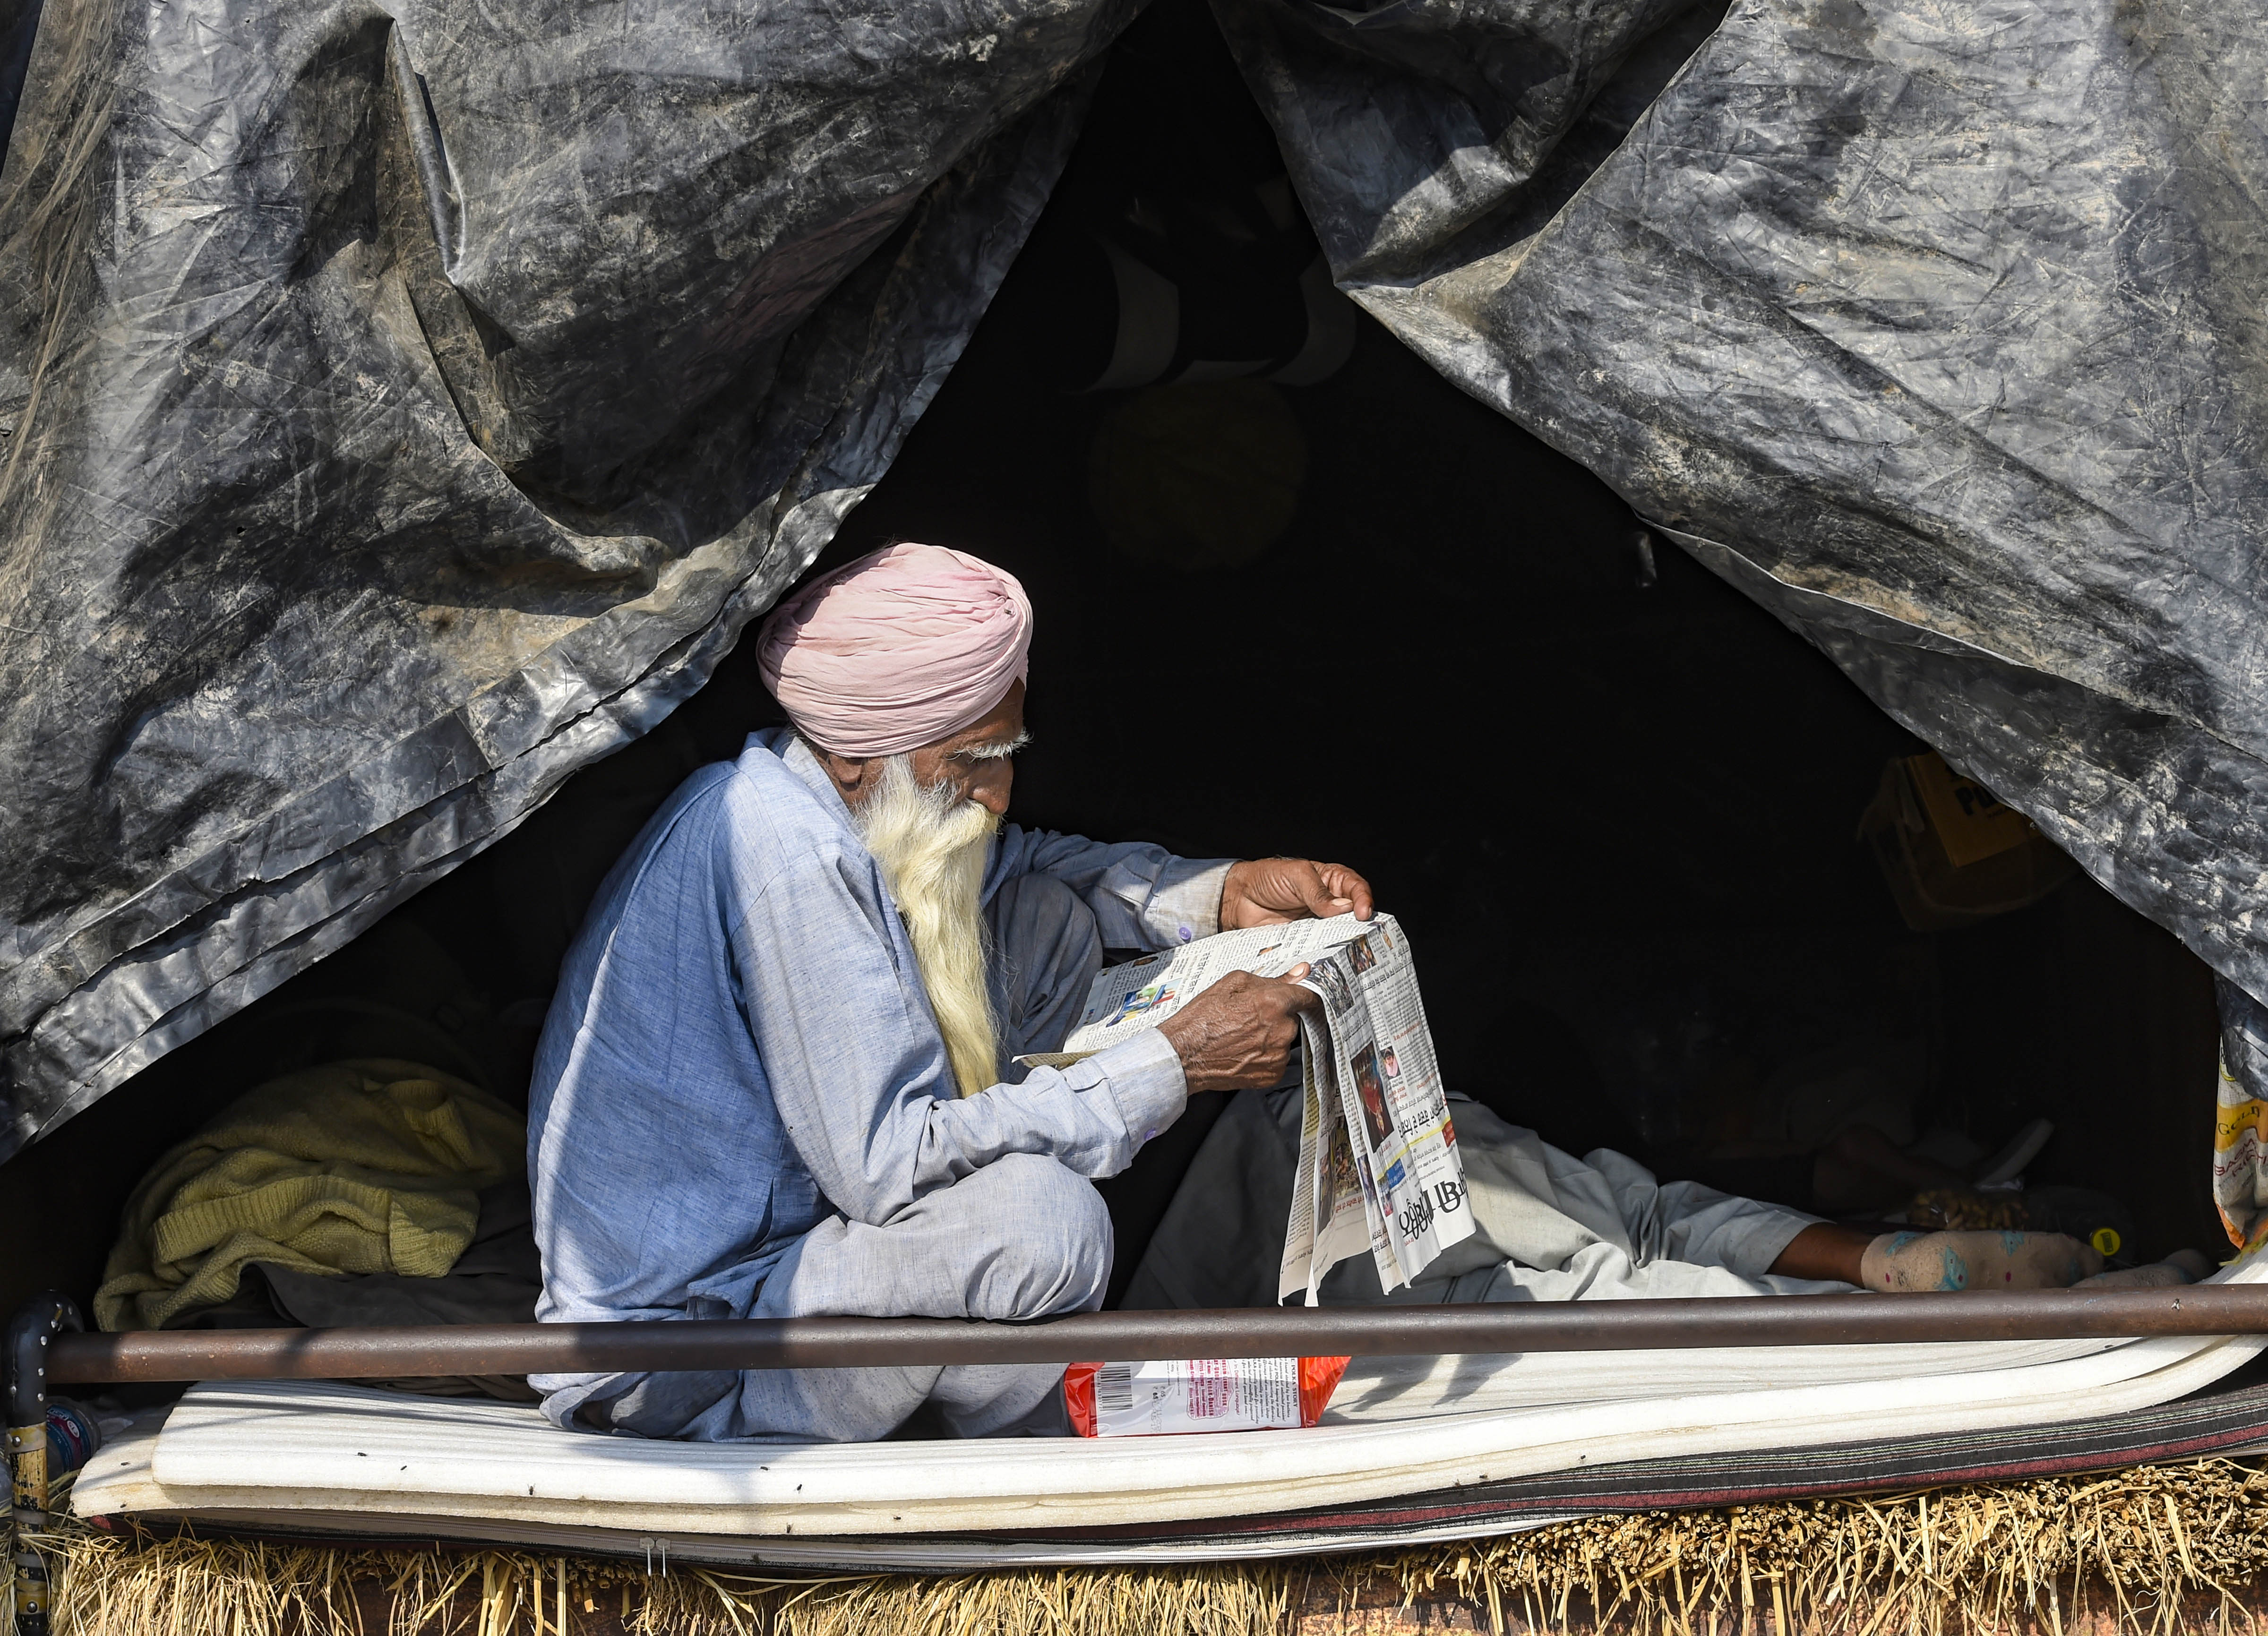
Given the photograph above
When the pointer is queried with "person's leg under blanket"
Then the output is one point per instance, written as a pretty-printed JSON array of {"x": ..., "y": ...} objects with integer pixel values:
[
  {"x": 1548, "y": 1227},
  {"x": 1021, "y": 1238},
  {"x": 1552, "y": 1226}
]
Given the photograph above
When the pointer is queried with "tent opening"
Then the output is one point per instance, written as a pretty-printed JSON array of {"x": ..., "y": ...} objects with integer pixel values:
[{"x": 1296, "y": 592}]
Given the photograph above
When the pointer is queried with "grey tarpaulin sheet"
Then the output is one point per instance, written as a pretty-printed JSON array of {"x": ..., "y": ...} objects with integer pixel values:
[
  {"x": 400, "y": 413},
  {"x": 402, "y": 410},
  {"x": 1940, "y": 330}
]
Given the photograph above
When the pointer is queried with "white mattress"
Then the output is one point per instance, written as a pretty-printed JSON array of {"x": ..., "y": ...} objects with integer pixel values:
[{"x": 322, "y": 1456}]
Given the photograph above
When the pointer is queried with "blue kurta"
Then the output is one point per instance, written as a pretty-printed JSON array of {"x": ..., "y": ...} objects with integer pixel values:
[{"x": 740, "y": 1048}]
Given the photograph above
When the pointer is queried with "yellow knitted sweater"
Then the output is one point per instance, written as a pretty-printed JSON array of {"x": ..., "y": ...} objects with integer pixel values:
[{"x": 371, "y": 1166}]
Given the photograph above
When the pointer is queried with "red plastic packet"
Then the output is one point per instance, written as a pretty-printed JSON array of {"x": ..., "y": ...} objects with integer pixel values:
[{"x": 1199, "y": 1394}]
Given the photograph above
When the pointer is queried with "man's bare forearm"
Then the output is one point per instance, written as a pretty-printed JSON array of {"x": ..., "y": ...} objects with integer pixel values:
[{"x": 1825, "y": 1250}]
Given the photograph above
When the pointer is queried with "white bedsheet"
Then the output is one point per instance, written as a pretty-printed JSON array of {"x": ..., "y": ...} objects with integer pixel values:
[{"x": 1398, "y": 1426}]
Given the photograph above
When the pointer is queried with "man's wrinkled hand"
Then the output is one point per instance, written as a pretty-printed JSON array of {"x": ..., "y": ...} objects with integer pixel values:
[
  {"x": 1238, "y": 1034},
  {"x": 1267, "y": 891}
]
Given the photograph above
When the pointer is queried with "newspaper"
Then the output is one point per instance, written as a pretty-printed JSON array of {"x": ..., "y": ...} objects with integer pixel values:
[{"x": 1379, "y": 1168}]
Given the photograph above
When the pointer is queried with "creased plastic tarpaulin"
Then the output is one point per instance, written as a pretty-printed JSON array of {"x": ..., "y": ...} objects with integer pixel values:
[
  {"x": 402, "y": 412},
  {"x": 1942, "y": 330}
]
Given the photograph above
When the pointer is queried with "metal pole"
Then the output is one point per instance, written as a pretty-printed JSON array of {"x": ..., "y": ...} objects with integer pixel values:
[
  {"x": 36, "y": 1326},
  {"x": 1261, "y": 1332}
]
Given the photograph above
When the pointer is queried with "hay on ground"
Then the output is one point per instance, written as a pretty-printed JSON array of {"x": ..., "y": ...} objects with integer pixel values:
[{"x": 2155, "y": 1549}]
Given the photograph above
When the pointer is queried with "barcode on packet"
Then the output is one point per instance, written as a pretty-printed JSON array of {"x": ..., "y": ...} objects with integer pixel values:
[{"x": 1113, "y": 1388}]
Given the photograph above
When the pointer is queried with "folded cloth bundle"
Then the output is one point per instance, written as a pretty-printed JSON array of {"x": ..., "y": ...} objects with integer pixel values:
[{"x": 370, "y": 1166}]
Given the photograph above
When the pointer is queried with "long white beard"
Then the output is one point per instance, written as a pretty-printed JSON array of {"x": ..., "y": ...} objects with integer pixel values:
[{"x": 932, "y": 847}]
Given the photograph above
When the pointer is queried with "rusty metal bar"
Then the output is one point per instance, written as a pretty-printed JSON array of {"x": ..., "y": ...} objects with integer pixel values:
[{"x": 1261, "y": 1332}]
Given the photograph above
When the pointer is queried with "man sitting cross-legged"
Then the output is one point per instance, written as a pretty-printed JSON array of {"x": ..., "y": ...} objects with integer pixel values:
[{"x": 771, "y": 1083}]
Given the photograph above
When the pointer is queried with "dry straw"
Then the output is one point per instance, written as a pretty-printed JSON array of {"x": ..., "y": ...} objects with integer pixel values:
[{"x": 2155, "y": 1549}]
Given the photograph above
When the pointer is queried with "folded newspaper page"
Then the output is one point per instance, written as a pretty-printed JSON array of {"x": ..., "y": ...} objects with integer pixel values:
[{"x": 1379, "y": 1168}]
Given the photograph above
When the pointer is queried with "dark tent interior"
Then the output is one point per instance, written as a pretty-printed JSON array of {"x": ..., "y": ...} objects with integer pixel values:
[{"x": 1364, "y": 618}]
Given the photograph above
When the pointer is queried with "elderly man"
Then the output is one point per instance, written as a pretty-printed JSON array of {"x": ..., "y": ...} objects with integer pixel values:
[
  {"x": 773, "y": 1080},
  {"x": 772, "y": 1083}
]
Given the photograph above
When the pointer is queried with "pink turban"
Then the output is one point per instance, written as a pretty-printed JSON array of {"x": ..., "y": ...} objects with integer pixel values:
[{"x": 901, "y": 648}]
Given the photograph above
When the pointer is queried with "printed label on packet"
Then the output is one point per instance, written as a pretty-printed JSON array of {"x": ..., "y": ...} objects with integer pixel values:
[{"x": 1156, "y": 1398}]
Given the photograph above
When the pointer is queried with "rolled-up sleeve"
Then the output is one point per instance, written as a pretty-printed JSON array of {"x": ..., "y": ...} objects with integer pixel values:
[{"x": 1143, "y": 895}]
